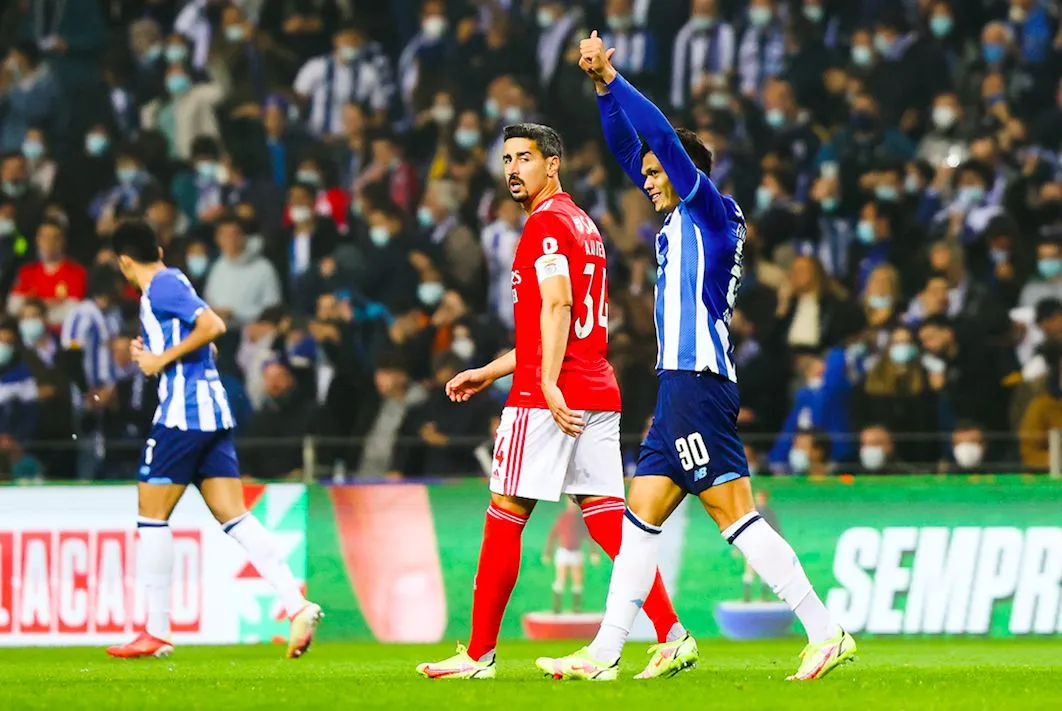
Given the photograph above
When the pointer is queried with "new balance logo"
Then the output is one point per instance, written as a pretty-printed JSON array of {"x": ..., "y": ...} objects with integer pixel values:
[{"x": 700, "y": 473}]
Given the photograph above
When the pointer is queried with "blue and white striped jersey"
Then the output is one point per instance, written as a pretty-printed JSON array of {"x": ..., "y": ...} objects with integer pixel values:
[
  {"x": 699, "y": 266},
  {"x": 191, "y": 396},
  {"x": 88, "y": 330},
  {"x": 698, "y": 251}
]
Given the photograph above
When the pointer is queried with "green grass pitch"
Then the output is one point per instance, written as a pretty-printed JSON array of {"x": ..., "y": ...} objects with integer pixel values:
[{"x": 892, "y": 675}]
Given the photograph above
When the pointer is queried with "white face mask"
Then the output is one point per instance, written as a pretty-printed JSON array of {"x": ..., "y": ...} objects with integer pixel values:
[
  {"x": 944, "y": 117},
  {"x": 799, "y": 461},
  {"x": 872, "y": 457},
  {"x": 968, "y": 454},
  {"x": 463, "y": 348},
  {"x": 301, "y": 214},
  {"x": 434, "y": 26}
]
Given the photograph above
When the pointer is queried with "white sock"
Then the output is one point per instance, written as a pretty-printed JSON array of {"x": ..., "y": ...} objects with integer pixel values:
[
  {"x": 677, "y": 631},
  {"x": 632, "y": 577},
  {"x": 777, "y": 565},
  {"x": 264, "y": 554},
  {"x": 154, "y": 564}
]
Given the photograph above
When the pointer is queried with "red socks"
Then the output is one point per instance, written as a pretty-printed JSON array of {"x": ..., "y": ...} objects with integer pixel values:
[
  {"x": 604, "y": 520},
  {"x": 499, "y": 565}
]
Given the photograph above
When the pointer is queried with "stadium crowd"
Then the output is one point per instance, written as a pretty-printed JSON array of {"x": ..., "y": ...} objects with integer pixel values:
[{"x": 326, "y": 172}]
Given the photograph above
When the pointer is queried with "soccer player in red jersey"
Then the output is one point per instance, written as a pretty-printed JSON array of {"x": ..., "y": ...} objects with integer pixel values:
[{"x": 559, "y": 431}]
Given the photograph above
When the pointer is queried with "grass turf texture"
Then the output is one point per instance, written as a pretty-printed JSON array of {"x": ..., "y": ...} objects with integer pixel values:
[{"x": 888, "y": 674}]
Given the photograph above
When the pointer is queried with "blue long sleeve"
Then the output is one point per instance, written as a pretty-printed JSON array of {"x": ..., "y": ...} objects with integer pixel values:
[
  {"x": 653, "y": 126},
  {"x": 621, "y": 137}
]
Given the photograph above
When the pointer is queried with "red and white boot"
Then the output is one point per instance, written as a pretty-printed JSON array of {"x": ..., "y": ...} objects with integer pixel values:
[{"x": 144, "y": 645}]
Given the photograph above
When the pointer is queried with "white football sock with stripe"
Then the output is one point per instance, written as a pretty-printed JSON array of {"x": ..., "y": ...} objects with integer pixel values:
[
  {"x": 154, "y": 566},
  {"x": 264, "y": 554},
  {"x": 632, "y": 578},
  {"x": 777, "y": 565}
]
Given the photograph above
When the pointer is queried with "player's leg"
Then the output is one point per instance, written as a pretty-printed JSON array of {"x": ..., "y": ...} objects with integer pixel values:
[
  {"x": 222, "y": 490},
  {"x": 726, "y": 494},
  {"x": 526, "y": 451},
  {"x": 164, "y": 473}
]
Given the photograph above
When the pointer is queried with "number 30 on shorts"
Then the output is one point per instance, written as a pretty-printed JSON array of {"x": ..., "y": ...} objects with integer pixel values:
[{"x": 691, "y": 451}]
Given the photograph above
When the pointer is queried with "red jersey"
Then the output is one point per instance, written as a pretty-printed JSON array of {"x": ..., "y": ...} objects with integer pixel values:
[
  {"x": 560, "y": 238},
  {"x": 67, "y": 280}
]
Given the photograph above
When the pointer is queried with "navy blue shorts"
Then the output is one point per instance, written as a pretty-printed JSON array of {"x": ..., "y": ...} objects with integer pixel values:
[
  {"x": 694, "y": 438},
  {"x": 173, "y": 456}
]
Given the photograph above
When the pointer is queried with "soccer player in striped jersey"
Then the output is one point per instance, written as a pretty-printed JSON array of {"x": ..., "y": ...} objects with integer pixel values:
[
  {"x": 693, "y": 444},
  {"x": 191, "y": 442}
]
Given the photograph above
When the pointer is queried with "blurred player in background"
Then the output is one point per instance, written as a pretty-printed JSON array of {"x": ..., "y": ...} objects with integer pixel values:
[
  {"x": 564, "y": 551},
  {"x": 559, "y": 431},
  {"x": 191, "y": 442},
  {"x": 693, "y": 445}
]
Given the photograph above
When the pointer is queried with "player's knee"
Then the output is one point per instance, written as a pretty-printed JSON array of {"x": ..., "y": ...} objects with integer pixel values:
[
  {"x": 652, "y": 499},
  {"x": 728, "y": 502},
  {"x": 513, "y": 504}
]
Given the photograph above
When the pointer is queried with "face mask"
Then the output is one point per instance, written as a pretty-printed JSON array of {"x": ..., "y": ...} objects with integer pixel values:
[
  {"x": 871, "y": 457},
  {"x": 971, "y": 194},
  {"x": 490, "y": 108},
  {"x": 829, "y": 204},
  {"x": 1049, "y": 267},
  {"x": 882, "y": 43},
  {"x": 940, "y": 25},
  {"x": 347, "y": 54},
  {"x": 544, "y": 18},
  {"x": 999, "y": 256},
  {"x": 618, "y": 23},
  {"x": 207, "y": 170},
  {"x": 879, "y": 302},
  {"x": 911, "y": 185},
  {"x": 775, "y": 118},
  {"x": 442, "y": 113},
  {"x": 862, "y": 55},
  {"x": 701, "y": 23},
  {"x": 300, "y": 214},
  {"x": 7, "y": 227},
  {"x": 424, "y": 217},
  {"x": 13, "y": 188},
  {"x": 814, "y": 383},
  {"x": 902, "y": 353},
  {"x": 764, "y": 196},
  {"x": 197, "y": 264},
  {"x": 813, "y": 13},
  {"x": 759, "y": 16},
  {"x": 126, "y": 176},
  {"x": 96, "y": 144},
  {"x": 32, "y": 150},
  {"x": 1017, "y": 14},
  {"x": 430, "y": 293},
  {"x": 466, "y": 137},
  {"x": 865, "y": 232},
  {"x": 7, "y": 352},
  {"x": 31, "y": 329},
  {"x": 433, "y": 27},
  {"x": 992, "y": 53},
  {"x": 719, "y": 100},
  {"x": 513, "y": 114},
  {"x": 152, "y": 53},
  {"x": 235, "y": 33},
  {"x": 463, "y": 348},
  {"x": 886, "y": 193},
  {"x": 968, "y": 454},
  {"x": 178, "y": 84},
  {"x": 379, "y": 236},
  {"x": 176, "y": 53},
  {"x": 944, "y": 117},
  {"x": 310, "y": 177},
  {"x": 799, "y": 462}
]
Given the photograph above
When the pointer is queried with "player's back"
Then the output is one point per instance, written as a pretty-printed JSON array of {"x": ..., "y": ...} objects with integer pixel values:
[
  {"x": 700, "y": 268},
  {"x": 191, "y": 396},
  {"x": 559, "y": 238}
]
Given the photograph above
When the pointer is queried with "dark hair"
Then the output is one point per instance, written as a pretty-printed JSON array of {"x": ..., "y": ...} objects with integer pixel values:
[
  {"x": 50, "y": 222},
  {"x": 135, "y": 239},
  {"x": 1047, "y": 308},
  {"x": 820, "y": 441},
  {"x": 204, "y": 146},
  {"x": 695, "y": 149},
  {"x": 229, "y": 217},
  {"x": 104, "y": 281},
  {"x": 547, "y": 139},
  {"x": 967, "y": 426}
]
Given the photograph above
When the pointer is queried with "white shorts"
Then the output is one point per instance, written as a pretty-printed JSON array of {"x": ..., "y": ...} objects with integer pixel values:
[
  {"x": 534, "y": 459},
  {"x": 563, "y": 556}
]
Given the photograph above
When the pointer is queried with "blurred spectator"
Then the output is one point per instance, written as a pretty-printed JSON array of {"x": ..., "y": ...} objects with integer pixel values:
[
  {"x": 968, "y": 449},
  {"x": 88, "y": 330},
  {"x": 810, "y": 455},
  {"x": 1043, "y": 414},
  {"x": 309, "y": 239},
  {"x": 129, "y": 407},
  {"x": 185, "y": 112},
  {"x": 40, "y": 164},
  {"x": 14, "y": 246},
  {"x": 380, "y": 416},
  {"x": 877, "y": 454},
  {"x": 56, "y": 279},
  {"x": 810, "y": 314},
  {"x": 1049, "y": 271},
  {"x": 302, "y": 25},
  {"x": 286, "y": 414},
  {"x": 16, "y": 186},
  {"x": 761, "y": 50},
  {"x": 240, "y": 285},
  {"x": 29, "y": 96},
  {"x": 19, "y": 397},
  {"x": 247, "y": 64},
  {"x": 498, "y": 241},
  {"x": 458, "y": 254},
  {"x": 50, "y": 371}
]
